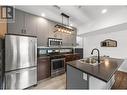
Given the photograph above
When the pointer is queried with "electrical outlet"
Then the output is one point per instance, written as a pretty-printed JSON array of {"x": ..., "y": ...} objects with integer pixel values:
[{"x": 84, "y": 76}]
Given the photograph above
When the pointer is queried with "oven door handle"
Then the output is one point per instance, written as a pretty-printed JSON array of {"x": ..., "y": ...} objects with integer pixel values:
[{"x": 58, "y": 59}]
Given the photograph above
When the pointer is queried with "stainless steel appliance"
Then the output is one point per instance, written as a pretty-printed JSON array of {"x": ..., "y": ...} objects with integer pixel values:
[
  {"x": 57, "y": 65},
  {"x": 57, "y": 62},
  {"x": 20, "y": 61},
  {"x": 54, "y": 42}
]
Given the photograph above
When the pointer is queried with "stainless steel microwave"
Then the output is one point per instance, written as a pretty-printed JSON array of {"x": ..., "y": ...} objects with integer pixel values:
[{"x": 54, "y": 42}]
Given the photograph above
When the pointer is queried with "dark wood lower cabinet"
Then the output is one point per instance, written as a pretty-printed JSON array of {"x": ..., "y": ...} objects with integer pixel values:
[
  {"x": 71, "y": 57},
  {"x": 43, "y": 65},
  {"x": 43, "y": 68}
]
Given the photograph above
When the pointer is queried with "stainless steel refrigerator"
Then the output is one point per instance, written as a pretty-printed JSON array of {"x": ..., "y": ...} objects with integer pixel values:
[{"x": 20, "y": 61}]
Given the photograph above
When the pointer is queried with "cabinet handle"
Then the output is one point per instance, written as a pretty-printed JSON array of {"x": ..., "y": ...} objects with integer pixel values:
[{"x": 22, "y": 31}]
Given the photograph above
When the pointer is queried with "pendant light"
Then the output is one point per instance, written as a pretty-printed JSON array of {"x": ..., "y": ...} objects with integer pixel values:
[{"x": 64, "y": 28}]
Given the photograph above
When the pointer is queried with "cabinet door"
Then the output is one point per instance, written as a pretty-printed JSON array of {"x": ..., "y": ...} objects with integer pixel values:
[
  {"x": 42, "y": 32},
  {"x": 69, "y": 57},
  {"x": 78, "y": 57},
  {"x": 18, "y": 25},
  {"x": 72, "y": 57},
  {"x": 30, "y": 24},
  {"x": 43, "y": 68}
]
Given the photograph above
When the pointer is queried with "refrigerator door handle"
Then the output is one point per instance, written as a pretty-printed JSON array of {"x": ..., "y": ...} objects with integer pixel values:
[{"x": 35, "y": 51}]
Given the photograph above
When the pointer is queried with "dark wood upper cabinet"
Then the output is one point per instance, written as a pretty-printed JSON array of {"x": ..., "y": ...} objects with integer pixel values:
[
  {"x": 24, "y": 23},
  {"x": 42, "y": 31},
  {"x": 28, "y": 24},
  {"x": 43, "y": 68},
  {"x": 17, "y": 27}
]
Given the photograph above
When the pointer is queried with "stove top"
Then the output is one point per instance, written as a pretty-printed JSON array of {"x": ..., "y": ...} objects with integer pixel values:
[{"x": 56, "y": 56}]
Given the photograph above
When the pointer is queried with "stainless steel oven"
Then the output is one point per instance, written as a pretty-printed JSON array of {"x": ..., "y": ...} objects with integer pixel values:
[{"x": 57, "y": 66}]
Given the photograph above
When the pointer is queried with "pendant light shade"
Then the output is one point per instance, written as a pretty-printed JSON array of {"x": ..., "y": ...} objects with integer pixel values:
[{"x": 65, "y": 28}]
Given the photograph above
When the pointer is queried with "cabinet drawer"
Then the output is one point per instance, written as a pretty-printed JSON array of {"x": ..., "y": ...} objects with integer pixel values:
[
  {"x": 43, "y": 61},
  {"x": 43, "y": 68}
]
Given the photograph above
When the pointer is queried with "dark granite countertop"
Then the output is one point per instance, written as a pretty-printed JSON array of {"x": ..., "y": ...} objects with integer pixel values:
[
  {"x": 47, "y": 55},
  {"x": 43, "y": 56},
  {"x": 70, "y": 53},
  {"x": 103, "y": 71}
]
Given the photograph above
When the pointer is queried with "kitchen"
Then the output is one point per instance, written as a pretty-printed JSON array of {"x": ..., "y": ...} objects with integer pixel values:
[{"x": 39, "y": 49}]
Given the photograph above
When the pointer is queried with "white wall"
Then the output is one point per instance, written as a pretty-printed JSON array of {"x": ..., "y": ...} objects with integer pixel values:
[
  {"x": 104, "y": 21},
  {"x": 120, "y": 51},
  {"x": 79, "y": 41}
]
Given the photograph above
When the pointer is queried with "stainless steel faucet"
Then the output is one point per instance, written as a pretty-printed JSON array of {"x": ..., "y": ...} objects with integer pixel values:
[{"x": 98, "y": 53}]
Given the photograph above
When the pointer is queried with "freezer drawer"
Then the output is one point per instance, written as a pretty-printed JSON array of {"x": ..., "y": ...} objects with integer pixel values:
[{"x": 21, "y": 79}]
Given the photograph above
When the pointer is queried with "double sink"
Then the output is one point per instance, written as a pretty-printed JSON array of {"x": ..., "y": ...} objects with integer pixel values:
[{"x": 92, "y": 60}]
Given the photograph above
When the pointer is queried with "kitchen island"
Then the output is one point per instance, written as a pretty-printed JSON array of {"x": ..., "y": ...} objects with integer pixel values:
[{"x": 86, "y": 76}]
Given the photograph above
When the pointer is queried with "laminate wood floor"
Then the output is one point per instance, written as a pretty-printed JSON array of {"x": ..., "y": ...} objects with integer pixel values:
[
  {"x": 55, "y": 83},
  {"x": 59, "y": 82},
  {"x": 121, "y": 81}
]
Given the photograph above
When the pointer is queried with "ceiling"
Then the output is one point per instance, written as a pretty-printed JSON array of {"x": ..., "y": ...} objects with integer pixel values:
[{"x": 79, "y": 15}]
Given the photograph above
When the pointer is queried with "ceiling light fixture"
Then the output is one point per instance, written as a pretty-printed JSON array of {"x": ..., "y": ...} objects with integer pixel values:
[
  {"x": 104, "y": 11},
  {"x": 65, "y": 28},
  {"x": 43, "y": 14},
  {"x": 71, "y": 24}
]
